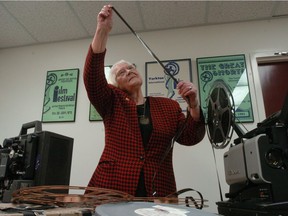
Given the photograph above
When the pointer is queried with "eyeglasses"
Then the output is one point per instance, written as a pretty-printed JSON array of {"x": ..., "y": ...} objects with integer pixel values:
[{"x": 123, "y": 71}]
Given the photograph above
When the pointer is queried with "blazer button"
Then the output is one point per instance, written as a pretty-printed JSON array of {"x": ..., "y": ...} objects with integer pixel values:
[{"x": 142, "y": 158}]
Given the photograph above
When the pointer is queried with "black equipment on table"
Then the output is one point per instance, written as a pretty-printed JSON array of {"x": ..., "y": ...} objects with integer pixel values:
[
  {"x": 256, "y": 164},
  {"x": 34, "y": 159}
]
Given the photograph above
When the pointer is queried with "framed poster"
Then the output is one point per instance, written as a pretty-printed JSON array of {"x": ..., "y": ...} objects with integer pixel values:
[
  {"x": 232, "y": 70},
  {"x": 93, "y": 114},
  {"x": 60, "y": 96},
  {"x": 159, "y": 84}
]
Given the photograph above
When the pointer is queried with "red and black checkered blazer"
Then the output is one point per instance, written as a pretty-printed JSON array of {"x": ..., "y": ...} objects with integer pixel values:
[{"x": 124, "y": 155}]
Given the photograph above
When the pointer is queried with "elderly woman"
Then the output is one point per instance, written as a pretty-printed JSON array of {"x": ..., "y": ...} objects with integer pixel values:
[{"x": 137, "y": 158}]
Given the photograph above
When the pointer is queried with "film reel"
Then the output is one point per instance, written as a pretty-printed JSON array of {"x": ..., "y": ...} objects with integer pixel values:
[{"x": 221, "y": 115}]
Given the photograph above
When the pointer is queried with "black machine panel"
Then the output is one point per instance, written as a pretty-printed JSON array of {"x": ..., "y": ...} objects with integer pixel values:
[
  {"x": 53, "y": 161},
  {"x": 35, "y": 159}
]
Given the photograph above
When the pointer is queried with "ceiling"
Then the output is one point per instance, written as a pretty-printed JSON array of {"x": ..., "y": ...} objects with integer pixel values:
[{"x": 36, "y": 22}]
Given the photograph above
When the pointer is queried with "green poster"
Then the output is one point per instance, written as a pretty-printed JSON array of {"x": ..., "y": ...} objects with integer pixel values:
[
  {"x": 60, "y": 96},
  {"x": 232, "y": 71},
  {"x": 93, "y": 114}
]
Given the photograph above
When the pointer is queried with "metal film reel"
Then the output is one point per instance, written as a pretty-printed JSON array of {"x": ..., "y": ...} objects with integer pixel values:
[{"x": 221, "y": 115}]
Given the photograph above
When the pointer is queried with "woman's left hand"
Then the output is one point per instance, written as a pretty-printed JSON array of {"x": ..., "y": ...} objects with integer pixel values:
[{"x": 188, "y": 92}]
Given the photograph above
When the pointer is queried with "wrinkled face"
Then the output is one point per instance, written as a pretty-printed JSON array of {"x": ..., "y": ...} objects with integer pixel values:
[{"x": 127, "y": 77}]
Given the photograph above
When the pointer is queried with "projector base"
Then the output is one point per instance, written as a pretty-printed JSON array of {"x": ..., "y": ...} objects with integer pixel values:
[{"x": 230, "y": 208}]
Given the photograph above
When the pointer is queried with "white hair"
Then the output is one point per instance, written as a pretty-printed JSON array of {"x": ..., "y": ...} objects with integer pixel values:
[{"x": 112, "y": 75}]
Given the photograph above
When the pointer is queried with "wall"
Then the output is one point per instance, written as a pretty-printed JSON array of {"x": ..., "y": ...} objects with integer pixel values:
[{"x": 22, "y": 82}]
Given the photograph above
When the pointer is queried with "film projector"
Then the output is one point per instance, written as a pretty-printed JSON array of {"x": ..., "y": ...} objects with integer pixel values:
[{"x": 256, "y": 164}]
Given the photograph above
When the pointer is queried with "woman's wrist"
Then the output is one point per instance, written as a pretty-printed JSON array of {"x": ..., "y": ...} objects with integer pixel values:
[
  {"x": 194, "y": 112},
  {"x": 193, "y": 105}
]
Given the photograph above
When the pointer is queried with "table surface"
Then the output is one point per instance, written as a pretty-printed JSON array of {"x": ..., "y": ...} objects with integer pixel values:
[
  {"x": 147, "y": 209},
  {"x": 126, "y": 209},
  {"x": 19, "y": 210}
]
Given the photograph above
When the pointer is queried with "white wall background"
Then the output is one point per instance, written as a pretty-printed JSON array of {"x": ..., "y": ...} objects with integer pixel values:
[{"x": 22, "y": 82}]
